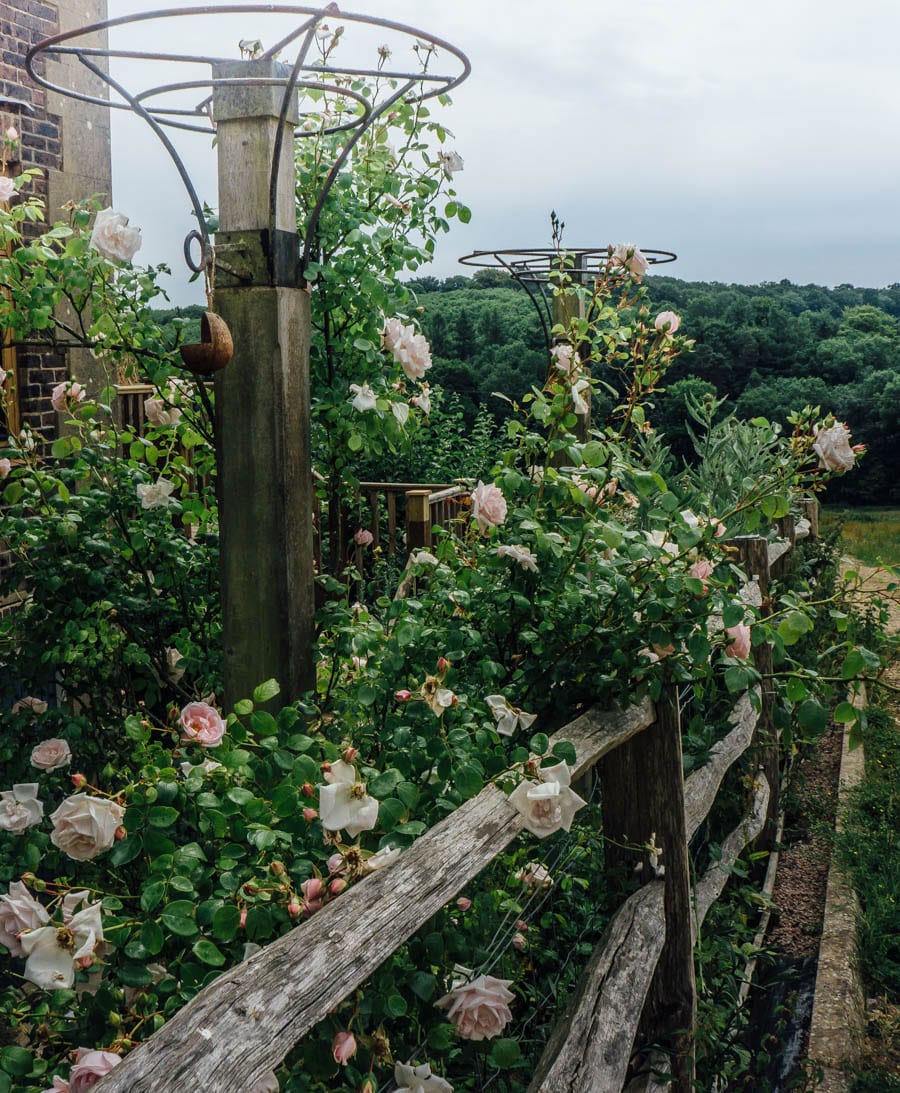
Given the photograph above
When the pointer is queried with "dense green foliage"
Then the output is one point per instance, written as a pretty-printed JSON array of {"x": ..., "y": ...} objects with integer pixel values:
[{"x": 768, "y": 349}]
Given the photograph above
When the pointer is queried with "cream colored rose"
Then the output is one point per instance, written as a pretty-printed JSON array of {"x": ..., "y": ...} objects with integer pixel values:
[
  {"x": 51, "y": 755},
  {"x": 832, "y": 446},
  {"x": 113, "y": 239},
  {"x": 85, "y": 826},
  {"x": 20, "y": 808},
  {"x": 480, "y": 1009},
  {"x": 19, "y": 911},
  {"x": 155, "y": 495}
]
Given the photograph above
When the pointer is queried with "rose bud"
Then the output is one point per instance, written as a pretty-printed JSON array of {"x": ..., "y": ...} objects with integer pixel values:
[
  {"x": 243, "y": 919},
  {"x": 343, "y": 1047},
  {"x": 79, "y": 781},
  {"x": 463, "y": 904},
  {"x": 403, "y": 696},
  {"x": 312, "y": 888},
  {"x": 519, "y": 942},
  {"x": 293, "y": 908},
  {"x": 336, "y": 863},
  {"x": 310, "y": 814},
  {"x": 522, "y": 925},
  {"x": 325, "y": 768},
  {"x": 308, "y": 789},
  {"x": 120, "y": 833},
  {"x": 277, "y": 868},
  {"x": 310, "y": 906},
  {"x": 337, "y": 886},
  {"x": 350, "y": 754},
  {"x": 443, "y": 664}
]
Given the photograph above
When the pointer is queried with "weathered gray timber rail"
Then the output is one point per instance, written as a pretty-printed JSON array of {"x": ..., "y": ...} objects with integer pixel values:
[{"x": 243, "y": 1024}]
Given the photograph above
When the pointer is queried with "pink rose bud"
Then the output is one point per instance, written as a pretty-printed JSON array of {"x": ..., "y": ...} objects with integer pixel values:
[
  {"x": 740, "y": 641},
  {"x": 337, "y": 886},
  {"x": 79, "y": 781},
  {"x": 85, "y": 961},
  {"x": 312, "y": 888},
  {"x": 463, "y": 904},
  {"x": 455, "y": 701},
  {"x": 293, "y": 908},
  {"x": 522, "y": 925},
  {"x": 443, "y": 664},
  {"x": 310, "y": 906},
  {"x": 277, "y": 868},
  {"x": 310, "y": 814},
  {"x": 343, "y": 1047},
  {"x": 519, "y": 942},
  {"x": 308, "y": 789},
  {"x": 12, "y": 134},
  {"x": 364, "y": 537},
  {"x": 325, "y": 768},
  {"x": 336, "y": 863},
  {"x": 243, "y": 919},
  {"x": 350, "y": 754},
  {"x": 403, "y": 696},
  {"x": 120, "y": 832}
]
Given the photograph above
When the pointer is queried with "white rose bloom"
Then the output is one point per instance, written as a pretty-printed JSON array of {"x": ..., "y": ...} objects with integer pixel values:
[
  {"x": 364, "y": 397},
  {"x": 548, "y": 804},
  {"x": 508, "y": 717},
  {"x": 833, "y": 448},
  {"x": 381, "y": 859},
  {"x": 85, "y": 826},
  {"x": 53, "y": 953},
  {"x": 20, "y": 808},
  {"x": 113, "y": 239},
  {"x": 629, "y": 257},
  {"x": 344, "y": 803},
  {"x": 424, "y": 557},
  {"x": 19, "y": 911},
  {"x": 155, "y": 495},
  {"x": 400, "y": 410},
  {"x": 578, "y": 388},
  {"x": 519, "y": 554},
  {"x": 159, "y": 412},
  {"x": 419, "y": 1079},
  {"x": 423, "y": 401},
  {"x": 207, "y": 766},
  {"x": 450, "y": 162},
  {"x": 51, "y": 754}
]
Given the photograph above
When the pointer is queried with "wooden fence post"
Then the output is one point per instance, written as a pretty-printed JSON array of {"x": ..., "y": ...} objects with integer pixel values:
[
  {"x": 809, "y": 507},
  {"x": 786, "y": 530},
  {"x": 418, "y": 520},
  {"x": 642, "y": 796}
]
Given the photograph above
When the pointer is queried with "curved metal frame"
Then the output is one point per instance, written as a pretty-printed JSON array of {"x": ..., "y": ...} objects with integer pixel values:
[
  {"x": 533, "y": 266},
  {"x": 321, "y": 78}
]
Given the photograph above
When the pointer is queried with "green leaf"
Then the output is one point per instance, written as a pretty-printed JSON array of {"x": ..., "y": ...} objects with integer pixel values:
[
  {"x": 505, "y": 1053},
  {"x": 243, "y": 707},
  {"x": 854, "y": 663},
  {"x": 539, "y": 743},
  {"x": 844, "y": 713},
  {"x": 127, "y": 849},
  {"x": 226, "y": 922},
  {"x": 396, "y": 1005},
  {"x": 16, "y": 1061},
  {"x": 178, "y": 917},
  {"x": 266, "y": 691},
  {"x": 812, "y": 715},
  {"x": 564, "y": 751},
  {"x": 422, "y": 985},
  {"x": 442, "y": 1036},
  {"x": 468, "y": 781},
  {"x": 390, "y": 813},
  {"x": 385, "y": 783},
  {"x": 162, "y": 816},
  {"x": 206, "y": 951},
  {"x": 152, "y": 936},
  {"x": 134, "y": 975},
  {"x": 152, "y": 895}
]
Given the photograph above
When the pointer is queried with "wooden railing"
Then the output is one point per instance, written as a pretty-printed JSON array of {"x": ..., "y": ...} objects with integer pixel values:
[{"x": 638, "y": 987}]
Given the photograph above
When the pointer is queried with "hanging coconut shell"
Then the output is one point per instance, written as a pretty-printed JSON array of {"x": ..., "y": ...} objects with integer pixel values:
[{"x": 216, "y": 347}]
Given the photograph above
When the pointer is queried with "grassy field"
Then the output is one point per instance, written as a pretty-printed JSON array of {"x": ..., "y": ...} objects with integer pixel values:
[{"x": 870, "y": 534}]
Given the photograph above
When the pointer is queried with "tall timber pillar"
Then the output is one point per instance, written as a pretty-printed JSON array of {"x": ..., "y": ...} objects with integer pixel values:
[{"x": 262, "y": 396}]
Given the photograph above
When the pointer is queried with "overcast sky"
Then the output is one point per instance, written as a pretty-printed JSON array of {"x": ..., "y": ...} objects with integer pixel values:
[{"x": 757, "y": 140}]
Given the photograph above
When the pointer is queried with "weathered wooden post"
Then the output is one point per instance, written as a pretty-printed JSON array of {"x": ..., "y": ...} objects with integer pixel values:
[
  {"x": 262, "y": 397},
  {"x": 642, "y": 797},
  {"x": 809, "y": 507},
  {"x": 418, "y": 519}
]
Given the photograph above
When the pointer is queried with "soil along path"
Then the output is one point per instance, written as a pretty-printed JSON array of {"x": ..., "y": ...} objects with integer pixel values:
[{"x": 839, "y": 1014}]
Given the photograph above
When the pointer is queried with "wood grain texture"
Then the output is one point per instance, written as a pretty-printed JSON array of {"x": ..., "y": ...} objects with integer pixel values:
[
  {"x": 244, "y": 1023},
  {"x": 703, "y": 785},
  {"x": 713, "y": 881},
  {"x": 590, "y": 1047}
]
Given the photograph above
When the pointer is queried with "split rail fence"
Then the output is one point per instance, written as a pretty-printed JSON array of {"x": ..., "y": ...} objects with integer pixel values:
[{"x": 638, "y": 988}]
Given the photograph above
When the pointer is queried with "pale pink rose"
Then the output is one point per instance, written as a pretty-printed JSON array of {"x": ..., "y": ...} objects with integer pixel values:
[
  {"x": 20, "y": 808},
  {"x": 664, "y": 317},
  {"x": 629, "y": 257},
  {"x": 36, "y": 705},
  {"x": 19, "y": 911},
  {"x": 392, "y": 334},
  {"x": 202, "y": 724},
  {"x": 423, "y": 400},
  {"x": 7, "y": 189},
  {"x": 534, "y": 875},
  {"x": 85, "y": 826},
  {"x": 312, "y": 888},
  {"x": 413, "y": 355},
  {"x": 5, "y": 468},
  {"x": 51, "y": 755},
  {"x": 519, "y": 942},
  {"x": 480, "y": 1009},
  {"x": 564, "y": 358},
  {"x": 740, "y": 641},
  {"x": 112, "y": 238},
  {"x": 60, "y": 1085},
  {"x": 718, "y": 525},
  {"x": 336, "y": 864},
  {"x": 364, "y": 537},
  {"x": 90, "y": 1066},
  {"x": 158, "y": 412},
  {"x": 488, "y": 506},
  {"x": 12, "y": 134},
  {"x": 65, "y": 395},
  {"x": 833, "y": 448},
  {"x": 701, "y": 570},
  {"x": 343, "y": 1047},
  {"x": 463, "y": 904}
]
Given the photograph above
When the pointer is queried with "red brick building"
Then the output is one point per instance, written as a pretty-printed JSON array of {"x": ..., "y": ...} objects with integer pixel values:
[{"x": 69, "y": 142}]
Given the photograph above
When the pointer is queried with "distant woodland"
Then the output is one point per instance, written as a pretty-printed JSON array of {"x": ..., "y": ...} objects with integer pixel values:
[{"x": 766, "y": 349}]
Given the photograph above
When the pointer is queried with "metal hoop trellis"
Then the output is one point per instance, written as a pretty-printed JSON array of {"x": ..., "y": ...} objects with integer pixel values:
[
  {"x": 534, "y": 269},
  {"x": 302, "y": 74}
]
